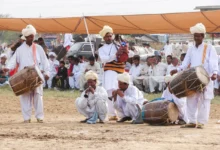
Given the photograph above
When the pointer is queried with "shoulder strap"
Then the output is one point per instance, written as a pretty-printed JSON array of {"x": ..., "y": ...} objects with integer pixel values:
[
  {"x": 34, "y": 53},
  {"x": 204, "y": 53}
]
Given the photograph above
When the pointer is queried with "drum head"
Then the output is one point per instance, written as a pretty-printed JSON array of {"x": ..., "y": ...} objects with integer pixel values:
[
  {"x": 202, "y": 75},
  {"x": 173, "y": 112}
]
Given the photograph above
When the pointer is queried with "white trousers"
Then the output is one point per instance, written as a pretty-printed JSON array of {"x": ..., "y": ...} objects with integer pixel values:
[
  {"x": 76, "y": 80},
  {"x": 181, "y": 105},
  {"x": 98, "y": 106},
  {"x": 126, "y": 109},
  {"x": 29, "y": 99},
  {"x": 156, "y": 81},
  {"x": 198, "y": 108},
  {"x": 82, "y": 81},
  {"x": 71, "y": 82},
  {"x": 138, "y": 83},
  {"x": 111, "y": 109},
  {"x": 49, "y": 81}
]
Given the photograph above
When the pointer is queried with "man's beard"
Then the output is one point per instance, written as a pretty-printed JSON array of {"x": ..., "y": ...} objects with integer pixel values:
[{"x": 108, "y": 42}]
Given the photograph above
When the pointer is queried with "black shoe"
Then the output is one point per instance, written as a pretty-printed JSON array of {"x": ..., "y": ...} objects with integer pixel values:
[
  {"x": 84, "y": 121},
  {"x": 124, "y": 119},
  {"x": 181, "y": 122}
]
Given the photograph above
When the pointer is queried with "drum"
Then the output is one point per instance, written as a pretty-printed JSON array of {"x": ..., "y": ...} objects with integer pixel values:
[
  {"x": 160, "y": 112},
  {"x": 189, "y": 82},
  {"x": 26, "y": 80}
]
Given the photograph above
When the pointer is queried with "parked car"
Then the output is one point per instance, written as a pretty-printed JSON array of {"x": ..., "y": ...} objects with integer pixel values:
[{"x": 81, "y": 48}]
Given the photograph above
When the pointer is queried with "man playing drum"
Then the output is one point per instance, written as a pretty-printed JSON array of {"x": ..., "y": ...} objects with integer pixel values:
[
  {"x": 26, "y": 56},
  {"x": 205, "y": 55}
]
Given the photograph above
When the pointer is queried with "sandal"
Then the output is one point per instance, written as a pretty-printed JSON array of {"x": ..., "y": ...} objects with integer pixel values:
[{"x": 189, "y": 125}]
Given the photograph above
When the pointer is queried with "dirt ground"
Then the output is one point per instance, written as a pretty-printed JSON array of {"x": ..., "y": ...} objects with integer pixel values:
[{"x": 62, "y": 130}]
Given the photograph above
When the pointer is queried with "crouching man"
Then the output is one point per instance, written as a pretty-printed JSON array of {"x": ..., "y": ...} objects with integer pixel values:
[
  {"x": 128, "y": 100},
  {"x": 93, "y": 101}
]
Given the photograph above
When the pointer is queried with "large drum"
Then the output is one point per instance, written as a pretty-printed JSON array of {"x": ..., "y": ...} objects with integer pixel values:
[
  {"x": 189, "y": 82},
  {"x": 26, "y": 80},
  {"x": 160, "y": 112}
]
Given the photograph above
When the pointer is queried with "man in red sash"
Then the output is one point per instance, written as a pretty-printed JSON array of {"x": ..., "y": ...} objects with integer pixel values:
[{"x": 29, "y": 54}]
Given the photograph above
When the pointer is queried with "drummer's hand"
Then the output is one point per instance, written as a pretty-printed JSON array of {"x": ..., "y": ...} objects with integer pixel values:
[
  {"x": 145, "y": 102},
  {"x": 214, "y": 77},
  {"x": 5, "y": 70},
  {"x": 57, "y": 77},
  {"x": 46, "y": 77},
  {"x": 173, "y": 72},
  {"x": 120, "y": 93},
  {"x": 218, "y": 77}
]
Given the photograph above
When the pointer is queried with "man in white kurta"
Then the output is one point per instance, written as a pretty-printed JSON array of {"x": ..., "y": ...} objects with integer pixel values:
[
  {"x": 168, "y": 49},
  {"x": 173, "y": 66},
  {"x": 135, "y": 68},
  {"x": 107, "y": 54},
  {"x": 198, "y": 55},
  {"x": 141, "y": 82},
  {"x": 77, "y": 71},
  {"x": 24, "y": 56},
  {"x": 128, "y": 100},
  {"x": 156, "y": 81},
  {"x": 91, "y": 65},
  {"x": 93, "y": 101},
  {"x": 54, "y": 64}
]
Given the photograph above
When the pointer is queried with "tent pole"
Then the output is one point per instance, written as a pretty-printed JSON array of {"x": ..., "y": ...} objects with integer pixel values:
[{"x": 92, "y": 48}]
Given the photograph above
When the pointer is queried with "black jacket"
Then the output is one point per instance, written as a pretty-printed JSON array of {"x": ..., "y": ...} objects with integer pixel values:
[{"x": 62, "y": 72}]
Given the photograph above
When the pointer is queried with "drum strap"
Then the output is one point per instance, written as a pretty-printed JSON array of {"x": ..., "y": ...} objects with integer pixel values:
[
  {"x": 34, "y": 55},
  {"x": 204, "y": 53}
]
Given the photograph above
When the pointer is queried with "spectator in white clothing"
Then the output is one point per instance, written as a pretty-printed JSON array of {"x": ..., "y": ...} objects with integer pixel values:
[{"x": 135, "y": 68}]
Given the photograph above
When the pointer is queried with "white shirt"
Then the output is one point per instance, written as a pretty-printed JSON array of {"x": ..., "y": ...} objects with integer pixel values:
[
  {"x": 168, "y": 49},
  {"x": 24, "y": 57},
  {"x": 68, "y": 38},
  {"x": 194, "y": 57},
  {"x": 170, "y": 68},
  {"x": 135, "y": 70},
  {"x": 160, "y": 70},
  {"x": 96, "y": 67},
  {"x": 107, "y": 53},
  {"x": 76, "y": 69},
  {"x": 133, "y": 96},
  {"x": 146, "y": 70},
  {"x": 54, "y": 64}
]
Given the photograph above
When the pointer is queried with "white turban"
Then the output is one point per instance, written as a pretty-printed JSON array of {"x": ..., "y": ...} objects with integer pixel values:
[
  {"x": 105, "y": 30},
  {"x": 23, "y": 38},
  {"x": 52, "y": 54},
  {"x": 198, "y": 28},
  {"x": 3, "y": 55},
  {"x": 29, "y": 30},
  {"x": 91, "y": 75},
  {"x": 124, "y": 77}
]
